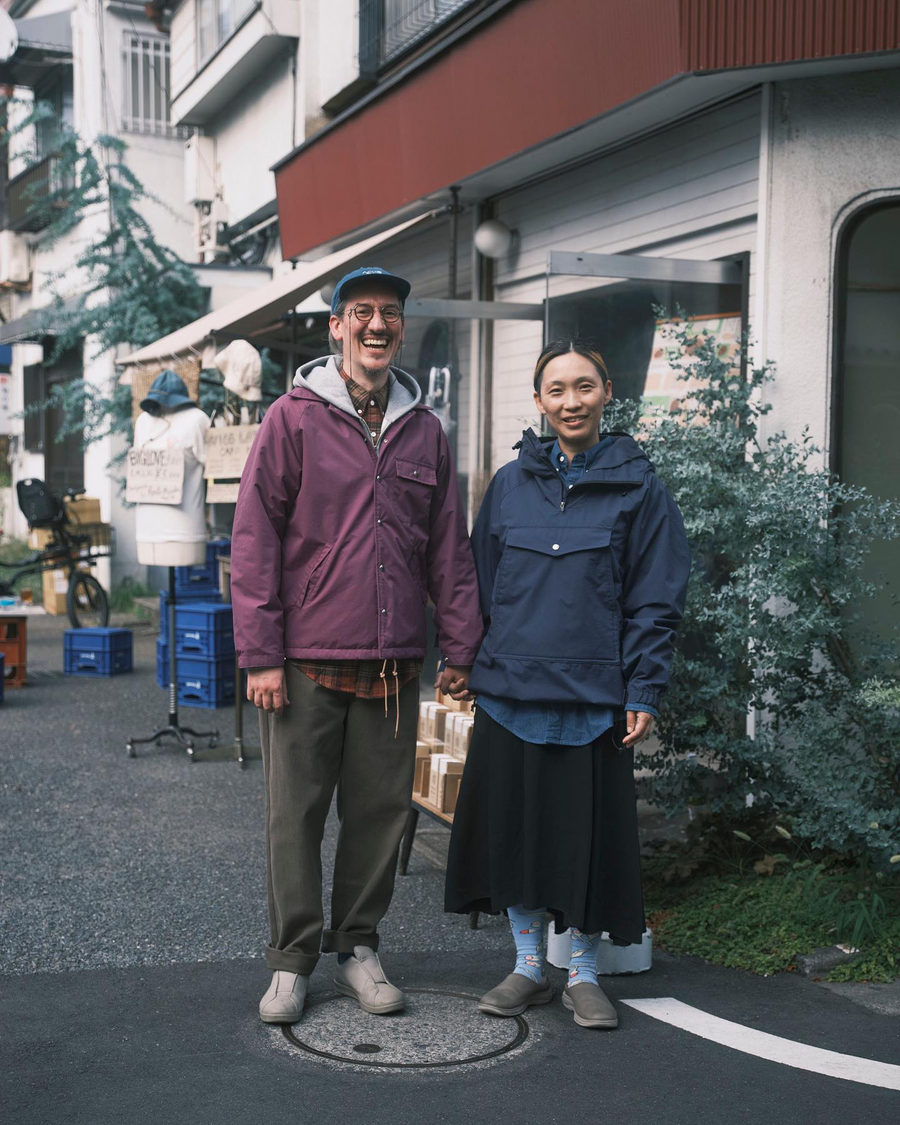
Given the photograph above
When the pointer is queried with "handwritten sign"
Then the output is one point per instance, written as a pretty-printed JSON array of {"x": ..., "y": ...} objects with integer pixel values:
[
  {"x": 222, "y": 492},
  {"x": 154, "y": 476},
  {"x": 227, "y": 450}
]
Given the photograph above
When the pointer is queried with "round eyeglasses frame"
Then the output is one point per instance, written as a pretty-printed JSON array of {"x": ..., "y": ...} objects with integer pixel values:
[{"x": 390, "y": 314}]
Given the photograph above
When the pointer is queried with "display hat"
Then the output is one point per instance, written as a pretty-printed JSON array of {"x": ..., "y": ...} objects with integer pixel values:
[
  {"x": 168, "y": 390},
  {"x": 370, "y": 273},
  {"x": 241, "y": 367}
]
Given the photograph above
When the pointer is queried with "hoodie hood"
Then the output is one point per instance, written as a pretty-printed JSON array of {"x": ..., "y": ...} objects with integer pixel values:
[
  {"x": 323, "y": 377},
  {"x": 619, "y": 454}
]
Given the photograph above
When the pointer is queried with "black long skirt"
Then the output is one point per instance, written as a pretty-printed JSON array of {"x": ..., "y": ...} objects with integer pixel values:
[{"x": 551, "y": 826}]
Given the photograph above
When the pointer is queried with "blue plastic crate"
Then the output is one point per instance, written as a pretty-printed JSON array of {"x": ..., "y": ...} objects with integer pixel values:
[
  {"x": 192, "y": 665},
  {"x": 204, "y": 642},
  {"x": 182, "y": 597},
  {"x": 205, "y": 574},
  {"x": 2, "y": 675},
  {"x": 214, "y": 617},
  {"x": 206, "y": 691},
  {"x": 97, "y": 652}
]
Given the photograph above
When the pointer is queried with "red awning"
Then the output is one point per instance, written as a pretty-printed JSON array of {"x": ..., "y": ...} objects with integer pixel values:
[{"x": 538, "y": 69}]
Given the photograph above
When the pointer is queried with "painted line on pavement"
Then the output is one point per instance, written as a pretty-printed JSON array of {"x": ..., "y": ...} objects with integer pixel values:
[{"x": 766, "y": 1046}]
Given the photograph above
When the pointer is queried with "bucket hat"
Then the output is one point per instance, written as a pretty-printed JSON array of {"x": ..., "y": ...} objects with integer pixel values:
[
  {"x": 241, "y": 367},
  {"x": 167, "y": 391},
  {"x": 370, "y": 273}
]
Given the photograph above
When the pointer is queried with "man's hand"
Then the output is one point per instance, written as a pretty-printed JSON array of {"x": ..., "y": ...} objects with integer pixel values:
[
  {"x": 454, "y": 681},
  {"x": 640, "y": 726},
  {"x": 267, "y": 688}
]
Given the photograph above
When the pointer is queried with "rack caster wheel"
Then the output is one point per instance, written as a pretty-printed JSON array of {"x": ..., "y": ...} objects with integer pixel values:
[
  {"x": 213, "y": 743},
  {"x": 131, "y": 751}
]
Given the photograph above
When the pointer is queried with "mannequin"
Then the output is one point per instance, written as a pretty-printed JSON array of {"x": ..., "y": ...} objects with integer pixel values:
[{"x": 173, "y": 534}]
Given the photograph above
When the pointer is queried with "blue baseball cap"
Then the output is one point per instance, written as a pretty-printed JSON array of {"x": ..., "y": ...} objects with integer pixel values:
[{"x": 370, "y": 273}]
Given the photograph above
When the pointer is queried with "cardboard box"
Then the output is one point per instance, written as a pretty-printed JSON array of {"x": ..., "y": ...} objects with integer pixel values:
[
  {"x": 462, "y": 737},
  {"x": 434, "y": 779},
  {"x": 450, "y": 796},
  {"x": 422, "y": 778},
  {"x": 86, "y": 509},
  {"x": 441, "y": 711},
  {"x": 423, "y": 750},
  {"x": 54, "y": 587},
  {"x": 448, "y": 769}
]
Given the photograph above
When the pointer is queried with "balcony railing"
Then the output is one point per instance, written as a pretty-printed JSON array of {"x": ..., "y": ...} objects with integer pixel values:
[
  {"x": 27, "y": 189},
  {"x": 389, "y": 28}
]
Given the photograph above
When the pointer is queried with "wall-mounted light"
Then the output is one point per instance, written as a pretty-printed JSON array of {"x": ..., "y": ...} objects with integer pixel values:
[{"x": 493, "y": 238}]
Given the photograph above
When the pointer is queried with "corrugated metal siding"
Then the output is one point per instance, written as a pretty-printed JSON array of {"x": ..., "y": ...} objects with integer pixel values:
[
  {"x": 689, "y": 192},
  {"x": 716, "y": 34}
]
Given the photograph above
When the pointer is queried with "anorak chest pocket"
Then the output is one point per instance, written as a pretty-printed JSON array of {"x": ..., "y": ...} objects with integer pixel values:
[
  {"x": 413, "y": 488},
  {"x": 555, "y": 595}
]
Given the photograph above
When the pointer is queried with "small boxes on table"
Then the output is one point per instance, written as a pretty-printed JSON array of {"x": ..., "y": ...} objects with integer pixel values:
[
  {"x": 443, "y": 767},
  {"x": 97, "y": 652}
]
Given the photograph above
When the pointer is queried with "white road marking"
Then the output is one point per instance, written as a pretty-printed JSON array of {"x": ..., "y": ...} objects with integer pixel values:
[{"x": 771, "y": 1047}]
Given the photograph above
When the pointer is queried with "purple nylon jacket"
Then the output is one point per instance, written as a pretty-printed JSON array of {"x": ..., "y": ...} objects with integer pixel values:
[{"x": 337, "y": 543}]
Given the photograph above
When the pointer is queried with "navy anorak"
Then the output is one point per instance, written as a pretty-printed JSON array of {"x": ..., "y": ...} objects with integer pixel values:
[{"x": 583, "y": 588}]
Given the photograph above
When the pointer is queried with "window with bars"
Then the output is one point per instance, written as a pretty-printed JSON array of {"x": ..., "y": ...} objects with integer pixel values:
[
  {"x": 146, "y": 85},
  {"x": 388, "y": 28}
]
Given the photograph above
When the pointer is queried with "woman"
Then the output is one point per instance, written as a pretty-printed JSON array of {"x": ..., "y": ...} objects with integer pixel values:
[{"x": 582, "y": 566}]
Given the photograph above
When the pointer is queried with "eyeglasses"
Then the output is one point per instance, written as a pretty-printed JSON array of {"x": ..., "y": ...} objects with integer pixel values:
[{"x": 390, "y": 314}]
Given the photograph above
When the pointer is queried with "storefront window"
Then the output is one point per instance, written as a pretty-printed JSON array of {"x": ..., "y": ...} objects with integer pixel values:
[{"x": 867, "y": 385}]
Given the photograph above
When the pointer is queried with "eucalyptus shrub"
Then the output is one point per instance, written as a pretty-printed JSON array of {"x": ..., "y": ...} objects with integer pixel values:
[{"x": 778, "y": 545}]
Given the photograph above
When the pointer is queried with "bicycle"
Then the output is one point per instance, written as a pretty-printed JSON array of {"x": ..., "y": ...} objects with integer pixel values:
[{"x": 72, "y": 547}]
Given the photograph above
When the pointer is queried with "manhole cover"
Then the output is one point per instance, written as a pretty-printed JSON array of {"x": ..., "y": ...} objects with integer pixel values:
[{"x": 437, "y": 1029}]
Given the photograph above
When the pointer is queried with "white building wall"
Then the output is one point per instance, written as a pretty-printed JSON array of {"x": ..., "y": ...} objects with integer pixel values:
[
  {"x": 250, "y": 135},
  {"x": 834, "y": 145},
  {"x": 689, "y": 191},
  {"x": 183, "y": 39}
]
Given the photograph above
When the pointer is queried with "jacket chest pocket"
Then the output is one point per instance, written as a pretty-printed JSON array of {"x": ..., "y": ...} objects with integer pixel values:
[
  {"x": 556, "y": 594},
  {"x": 413, "y": 487}
]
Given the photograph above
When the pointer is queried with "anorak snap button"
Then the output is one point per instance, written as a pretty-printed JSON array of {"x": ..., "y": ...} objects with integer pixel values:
[
  {"x": 555, "y": 546},
  {"x": 415, "y": 472},
  {"x": 378, "y": 476},
  {"x": 378, "y": 522},
  {"x": 381, "y": 566},
  {"x": 384, "y": 611}
]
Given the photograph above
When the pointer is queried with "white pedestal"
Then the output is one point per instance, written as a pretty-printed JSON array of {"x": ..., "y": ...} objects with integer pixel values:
[{"x": 612, "y": 960}]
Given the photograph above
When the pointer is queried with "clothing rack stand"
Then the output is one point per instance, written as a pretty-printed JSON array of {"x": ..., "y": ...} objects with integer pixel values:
[{"x": 184, "y": 736}]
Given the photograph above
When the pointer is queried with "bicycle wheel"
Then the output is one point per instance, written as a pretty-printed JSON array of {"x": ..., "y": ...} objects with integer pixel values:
[{"x": 86, "y": 602}]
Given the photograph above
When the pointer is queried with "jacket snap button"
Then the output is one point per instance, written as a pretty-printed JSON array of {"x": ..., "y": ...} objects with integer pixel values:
[
  {"x": 378, "y": 522},
  {"x": 555, "y": 546},
  {"x": 624, "y": 491},
  {"x": 377, "y": 476},
  {"x": 415, "y": 472},
  {"x": 381, "y": 566},
  {"x": 384, "y": 611}
]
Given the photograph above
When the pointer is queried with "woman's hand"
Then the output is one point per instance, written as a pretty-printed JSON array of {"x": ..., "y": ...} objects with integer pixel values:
[{"x": 640, "y": 726}]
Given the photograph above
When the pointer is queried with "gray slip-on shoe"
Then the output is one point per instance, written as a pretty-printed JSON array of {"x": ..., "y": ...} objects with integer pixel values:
[
  {"x": 514, "y": 994},
  {"x": 590, "y": 1005},
  {"x": 284, "y": 1000},
  {"x": 362, "y": 977}
]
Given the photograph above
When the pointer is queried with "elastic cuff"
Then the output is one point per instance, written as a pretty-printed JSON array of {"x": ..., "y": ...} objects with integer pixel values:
[
  {"x": 341, "y": 941},
  {"x": 642, "y": 707},
  {"x": 253, "y": 660},
  {"x": 461, "y": 659},
  {"x": 278, "y": 959}
]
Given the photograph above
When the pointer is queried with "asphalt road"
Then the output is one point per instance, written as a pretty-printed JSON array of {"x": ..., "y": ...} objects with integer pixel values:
[{"x": 133, "y": 916}]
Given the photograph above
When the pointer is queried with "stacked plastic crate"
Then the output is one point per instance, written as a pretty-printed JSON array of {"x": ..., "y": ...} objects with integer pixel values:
[
  {"x": 97, "y": 652},
  {"x": 204, "y": 635}
]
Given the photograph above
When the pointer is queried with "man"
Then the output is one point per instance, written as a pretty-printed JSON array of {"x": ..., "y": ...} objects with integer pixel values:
[{"x": 349, "y": 517}]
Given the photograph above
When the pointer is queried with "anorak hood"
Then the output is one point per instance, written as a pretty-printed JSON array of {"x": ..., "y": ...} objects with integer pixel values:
[{"x": 323, "y": 377}]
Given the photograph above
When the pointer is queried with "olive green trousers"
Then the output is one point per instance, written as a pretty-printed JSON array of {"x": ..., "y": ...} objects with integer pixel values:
[{"x": 325, "y": 741}]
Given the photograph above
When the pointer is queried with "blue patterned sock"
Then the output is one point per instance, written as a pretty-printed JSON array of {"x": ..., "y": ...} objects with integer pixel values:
[
  {"x": 583, "y": 959},
  {"x": 528, "y": 933}
]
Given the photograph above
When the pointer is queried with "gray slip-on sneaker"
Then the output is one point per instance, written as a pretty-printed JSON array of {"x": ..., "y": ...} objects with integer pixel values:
[
  {"x": 284, "y": 1000},
  {"x": 590, "y": 1005},
  {"x": 362, "y": 977},
  {"x": 514, "y": 994}
]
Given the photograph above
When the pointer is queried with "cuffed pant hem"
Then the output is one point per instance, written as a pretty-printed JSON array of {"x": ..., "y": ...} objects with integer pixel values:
[
  {"x": 303, "y": 963},
  {"x": 340, "y": 941}
]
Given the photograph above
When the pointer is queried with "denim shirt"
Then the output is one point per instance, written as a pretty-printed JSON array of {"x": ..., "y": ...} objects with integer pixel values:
[{"x": 560, "y": 724}]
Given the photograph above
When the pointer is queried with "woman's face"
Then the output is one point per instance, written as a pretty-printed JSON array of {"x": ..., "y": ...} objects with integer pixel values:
[{"x": 573, "y": 394}]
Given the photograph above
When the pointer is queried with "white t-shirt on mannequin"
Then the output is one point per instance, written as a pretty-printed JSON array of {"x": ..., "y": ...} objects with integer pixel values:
[{"x": 184, "y": 523}]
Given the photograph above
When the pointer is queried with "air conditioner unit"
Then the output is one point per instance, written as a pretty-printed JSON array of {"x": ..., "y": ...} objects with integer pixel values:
[
  {"x": 199, "y": 169},
  {"x": 14, "y": 267}
]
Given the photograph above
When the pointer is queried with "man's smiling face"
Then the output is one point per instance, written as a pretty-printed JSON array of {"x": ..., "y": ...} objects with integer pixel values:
[{"x": 369, "y": 346}]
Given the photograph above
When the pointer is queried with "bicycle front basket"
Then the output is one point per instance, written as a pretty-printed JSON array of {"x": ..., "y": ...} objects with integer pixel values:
[{"x": 39, "y": 506}]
